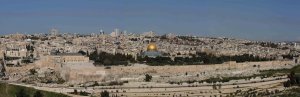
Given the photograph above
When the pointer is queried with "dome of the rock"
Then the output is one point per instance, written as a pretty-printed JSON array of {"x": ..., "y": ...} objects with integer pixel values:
[
  {"x": 152, "y": 51},
  {"x": 151, "y": 47}
]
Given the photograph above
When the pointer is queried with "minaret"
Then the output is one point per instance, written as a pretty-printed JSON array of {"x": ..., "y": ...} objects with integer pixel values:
[
  {"x": 101, "y": 32},
  {"x": 125, "y": 32},
  {"x": 116, "y": 31},
  {"x": 53, "y": 32},
  {"x": 103, "y": 39}
]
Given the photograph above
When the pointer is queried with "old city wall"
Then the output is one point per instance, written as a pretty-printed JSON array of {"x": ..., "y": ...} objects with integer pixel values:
[{"x": 122, "y": 70}]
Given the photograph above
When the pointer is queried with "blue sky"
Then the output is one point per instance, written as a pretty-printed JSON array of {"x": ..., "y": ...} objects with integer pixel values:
[{"x": 277, "y": 20}]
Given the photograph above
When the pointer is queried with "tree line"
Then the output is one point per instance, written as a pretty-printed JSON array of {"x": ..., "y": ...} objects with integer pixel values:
[
  {"x": 294, "y": 80},
  {"x": 108, "y": 59},
  {"x": 199, "y": 58}
]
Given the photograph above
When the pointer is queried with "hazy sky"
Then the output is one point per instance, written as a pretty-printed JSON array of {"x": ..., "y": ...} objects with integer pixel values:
[{"x": 249, "y": 19}]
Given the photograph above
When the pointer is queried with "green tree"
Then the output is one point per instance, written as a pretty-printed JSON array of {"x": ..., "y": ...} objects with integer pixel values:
[
  {"x": 107, "y": 61},
  {"x": 32, "y": 71},
  {"x": 148, "y": 78},
  {"x": 38, "y": 94},
  {"x": 83, "y": 93},
  {"x": 22, "y": 93},
  {"x": 3, "y": 67},
  {"x": 104, "y": 94},
  {"x": 75, "y": 92},
  {"x": 18, "y": 64}
]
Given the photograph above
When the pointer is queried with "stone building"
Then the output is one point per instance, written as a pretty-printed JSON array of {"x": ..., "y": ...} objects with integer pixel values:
[
  {"x": 72, "y": 58},
  {"x": 73, "y": 67},
  {"x": 1, "y": 53},
  {"x": 81, "y": 73},
  {"x": 20, "y": 53}
]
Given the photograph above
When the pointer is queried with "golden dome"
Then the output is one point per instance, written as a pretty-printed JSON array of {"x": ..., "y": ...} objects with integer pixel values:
[{"x": 151, "y": 47}]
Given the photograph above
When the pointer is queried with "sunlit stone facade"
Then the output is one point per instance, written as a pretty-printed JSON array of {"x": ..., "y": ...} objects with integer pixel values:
[{"x": 71, "y": 58}]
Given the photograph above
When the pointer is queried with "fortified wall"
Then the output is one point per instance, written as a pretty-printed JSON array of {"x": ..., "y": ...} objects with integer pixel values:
[
  {"x": 80, "y": 73},
  {"x": 123, "y": 70}
]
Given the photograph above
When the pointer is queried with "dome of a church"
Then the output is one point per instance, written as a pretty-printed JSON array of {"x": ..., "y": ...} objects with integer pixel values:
[{"x": 151, "y": 47}]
